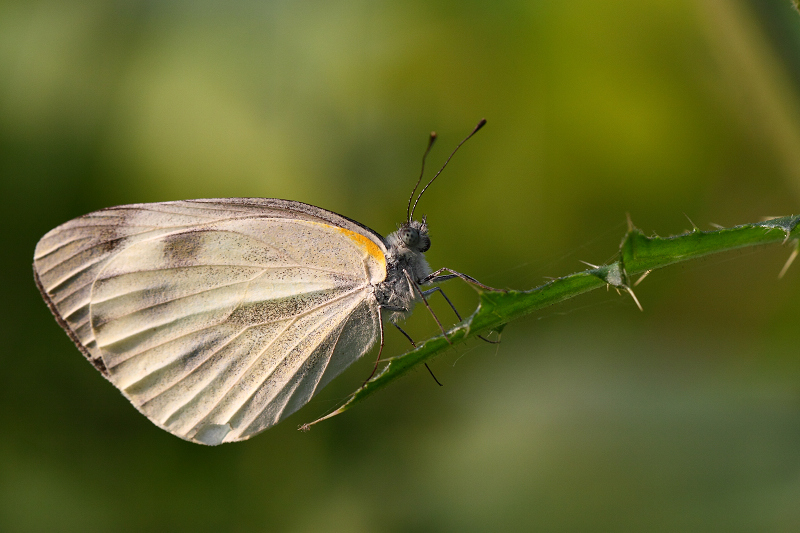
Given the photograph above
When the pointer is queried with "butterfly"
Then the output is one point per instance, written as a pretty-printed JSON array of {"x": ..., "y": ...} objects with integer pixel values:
[{"x": 217, "y": 318}]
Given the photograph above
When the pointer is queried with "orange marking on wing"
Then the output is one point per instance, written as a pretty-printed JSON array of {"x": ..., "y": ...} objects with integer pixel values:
[{"x": 365, "y": 244}]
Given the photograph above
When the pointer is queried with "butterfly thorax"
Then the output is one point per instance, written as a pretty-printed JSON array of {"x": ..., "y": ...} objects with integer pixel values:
[{"x": 406, "y": 254}]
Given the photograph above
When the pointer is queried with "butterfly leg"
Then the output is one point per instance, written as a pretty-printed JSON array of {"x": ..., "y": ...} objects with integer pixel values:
[
  {"x": 440, "y": 291},
  {"x": 453, "y": 307},
  {"x": 380, "y": 351},
  {"x": 436, "y": 277},
  {"x": 414, "y": 344},
  {"x": 415, "y": 286},
  {"x": 380, "y": 327},
  {"x": 406, "y": 335}
]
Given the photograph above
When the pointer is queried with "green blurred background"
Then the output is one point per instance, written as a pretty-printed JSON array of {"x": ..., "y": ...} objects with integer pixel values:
[{"x": 591, "y": 416}]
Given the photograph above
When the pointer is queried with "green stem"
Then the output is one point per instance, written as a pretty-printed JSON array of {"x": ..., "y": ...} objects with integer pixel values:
[{"x": 638, "y": 254}]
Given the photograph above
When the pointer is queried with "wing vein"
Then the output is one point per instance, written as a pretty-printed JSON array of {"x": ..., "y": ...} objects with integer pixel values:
[
  {"x": 153, "y": 347},
  {"x": 246, "y": 370},
  {"x": 187, "y": 204},
  {"x": 261, "y": 353},
  {"x": 262, "y": 267},
  {"x": 244, "y": 293},
  {"x": 248, "y": 281},
  {"x": 189, "y": 373},
  {"x": 333, "y": 348},
  {"x": 63, "y": 297},
  {"x": 60, "y": 246},
  {"x": 314, "y": 347},
  {"x": 64, "y": 227},
  {"x": 73, "y": 273}
]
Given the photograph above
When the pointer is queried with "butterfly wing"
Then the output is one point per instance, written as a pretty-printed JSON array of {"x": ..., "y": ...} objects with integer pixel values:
[{"x": 216, "y": 318}]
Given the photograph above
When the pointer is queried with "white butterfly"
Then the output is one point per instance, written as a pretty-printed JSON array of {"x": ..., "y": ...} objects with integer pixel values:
[{"x": 218, "y": 318}]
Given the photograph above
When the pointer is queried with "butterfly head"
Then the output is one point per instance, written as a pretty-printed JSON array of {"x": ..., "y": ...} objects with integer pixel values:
[
  {"x": 411, "y": 237},
  {"x": 414, "y": 236}
]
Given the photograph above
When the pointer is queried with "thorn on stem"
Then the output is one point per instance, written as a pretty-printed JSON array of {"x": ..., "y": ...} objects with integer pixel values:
[
  {"x": 789, "y": 261},
  {"x": 638, "y": 281},
  {"x": 694, "y": 226},
  {"x": 635, "y": 299}
]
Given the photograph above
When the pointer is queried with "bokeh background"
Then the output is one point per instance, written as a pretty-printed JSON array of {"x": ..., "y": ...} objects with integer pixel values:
[{"x": 591, "y": 416}]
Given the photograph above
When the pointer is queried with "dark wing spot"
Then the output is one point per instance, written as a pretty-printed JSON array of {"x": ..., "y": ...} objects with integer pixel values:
[
  {"x": 109, "y": 238},
  {"x": 110, "y": 245},
  {"x": 181, "y": 248}
]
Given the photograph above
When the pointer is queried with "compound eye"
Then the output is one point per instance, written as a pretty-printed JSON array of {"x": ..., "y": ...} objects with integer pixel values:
[{"x": 425, "y": 245}]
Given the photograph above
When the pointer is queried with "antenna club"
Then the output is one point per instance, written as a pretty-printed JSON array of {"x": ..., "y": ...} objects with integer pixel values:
[
  {"x": 481, "y": 124},
  {"x": 431, "y": 140}
]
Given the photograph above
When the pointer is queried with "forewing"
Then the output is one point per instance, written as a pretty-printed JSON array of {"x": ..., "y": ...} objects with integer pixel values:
[
  {"x": 216, "y": 329},
  {"x": 68, "y": 258}
]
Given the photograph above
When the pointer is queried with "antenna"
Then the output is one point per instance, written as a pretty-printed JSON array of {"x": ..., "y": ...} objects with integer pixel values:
[
  {"x": 481, "y": 124},
  {"x": 421, "y": 172}
]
